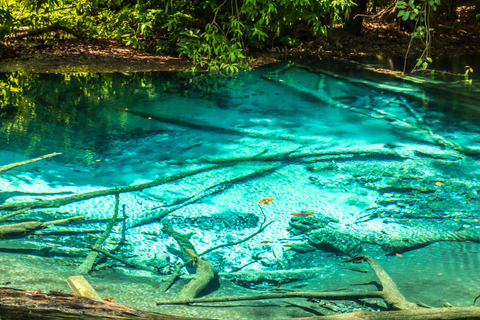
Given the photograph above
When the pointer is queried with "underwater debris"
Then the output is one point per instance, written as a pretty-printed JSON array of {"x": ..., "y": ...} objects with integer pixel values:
[{"x": 303, "y": 214}]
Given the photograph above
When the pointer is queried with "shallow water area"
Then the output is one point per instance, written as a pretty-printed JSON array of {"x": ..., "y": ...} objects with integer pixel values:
[{"x": 338, "y": 161}]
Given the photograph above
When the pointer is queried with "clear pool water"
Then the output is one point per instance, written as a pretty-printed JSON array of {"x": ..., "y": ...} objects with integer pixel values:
[{"x": 371, "y": 161}]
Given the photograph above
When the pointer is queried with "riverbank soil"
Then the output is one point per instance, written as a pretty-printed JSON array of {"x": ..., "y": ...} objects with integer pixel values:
[{"x": 382, "y": 36}]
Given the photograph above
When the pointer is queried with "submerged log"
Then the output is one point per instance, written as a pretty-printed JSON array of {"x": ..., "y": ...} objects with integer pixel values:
[
  {"x": 18, "y": 164},
  {"x": 23, "y": 229}
]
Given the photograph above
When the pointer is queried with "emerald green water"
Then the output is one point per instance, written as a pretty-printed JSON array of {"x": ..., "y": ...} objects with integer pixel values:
[{"x": 373, "y": 165}]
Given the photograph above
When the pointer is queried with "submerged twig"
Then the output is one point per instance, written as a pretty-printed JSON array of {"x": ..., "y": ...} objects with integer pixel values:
[
  {"x": 22, "y": 163},
  {"x": 7, "y": 216}
]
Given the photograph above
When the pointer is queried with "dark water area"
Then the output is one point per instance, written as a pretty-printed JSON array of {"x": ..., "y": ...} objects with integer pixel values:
[{"x": 338, "y": 161}]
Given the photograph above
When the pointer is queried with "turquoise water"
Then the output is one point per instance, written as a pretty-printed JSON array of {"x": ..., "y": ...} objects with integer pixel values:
[{"x": 372, "y": 164}]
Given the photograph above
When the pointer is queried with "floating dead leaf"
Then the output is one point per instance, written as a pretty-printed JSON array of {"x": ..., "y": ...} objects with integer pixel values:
[{"x": 265, "y": 200}]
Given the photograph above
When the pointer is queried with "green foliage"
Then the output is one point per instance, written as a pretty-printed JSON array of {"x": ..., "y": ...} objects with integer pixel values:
[
  {"x": 419, "y": 12},
  {"x": 6, "y": 21},
  {"x": 468, "y": 70},
  {"x": 213, "y": 33}
]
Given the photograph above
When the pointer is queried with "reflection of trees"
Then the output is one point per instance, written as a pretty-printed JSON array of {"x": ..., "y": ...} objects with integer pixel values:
[{"x": 40, "y": 112}]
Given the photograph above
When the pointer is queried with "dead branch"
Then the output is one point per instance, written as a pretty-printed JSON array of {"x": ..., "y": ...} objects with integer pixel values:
[
  {"x": 22, "y": 163},
  {"x": 176, "y": 274},
  {"x": 49, "y": 29},
  {"x": 422, "y": 133},
  {"x": 23, "y": 229},
  {"x": 87, "y": 265},
  {"x": 262, "y": 227},
  {"x": 13, "y": 214},
  {"x": 297, "y": 294},
  {"x": 58, "y": 202}
]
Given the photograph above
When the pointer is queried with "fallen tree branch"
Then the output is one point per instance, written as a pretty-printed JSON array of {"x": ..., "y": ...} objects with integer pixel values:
[
  {"x": 424, "y": 134},
  {"x": 23, "y": 229},
  {"x": 125, "y": 262},
  {"x": 22, "y": 163},
  {"x": 13, "y": 214},
  {"x": 262, "y": 227},
  {"x": 58, "y": 202},
  {"x": 87, "y": 265},
  {"x": 209, "y": 128},
  {"x": 176, "y": 273}
]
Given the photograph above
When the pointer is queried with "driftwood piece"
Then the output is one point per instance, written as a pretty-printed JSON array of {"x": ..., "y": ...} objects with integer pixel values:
[
  {"x": 183, "y": 241},
  {"x": 278, "y": 276},
  {"x": 58, "y": 202},
  {"x": 205, "y": 273},
  {"x": 22, "y": 163},
  {"x": 15, "y": 213},
  {"x": 20, "y": 305},
  {"x": 81, "y": 286},
  {"x": 296, "y": 294},
  {"x": 87, "y": 265},
  {"x": 23, "y": 229},
  {"x": 19, "y": 230}
]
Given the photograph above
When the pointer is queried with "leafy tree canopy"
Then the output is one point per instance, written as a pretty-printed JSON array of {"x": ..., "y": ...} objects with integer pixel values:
[{"x": 216, "y": 32}]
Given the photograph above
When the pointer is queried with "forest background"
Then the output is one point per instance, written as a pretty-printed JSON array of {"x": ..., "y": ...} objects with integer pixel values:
[{"x": 226, "y": 34}]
